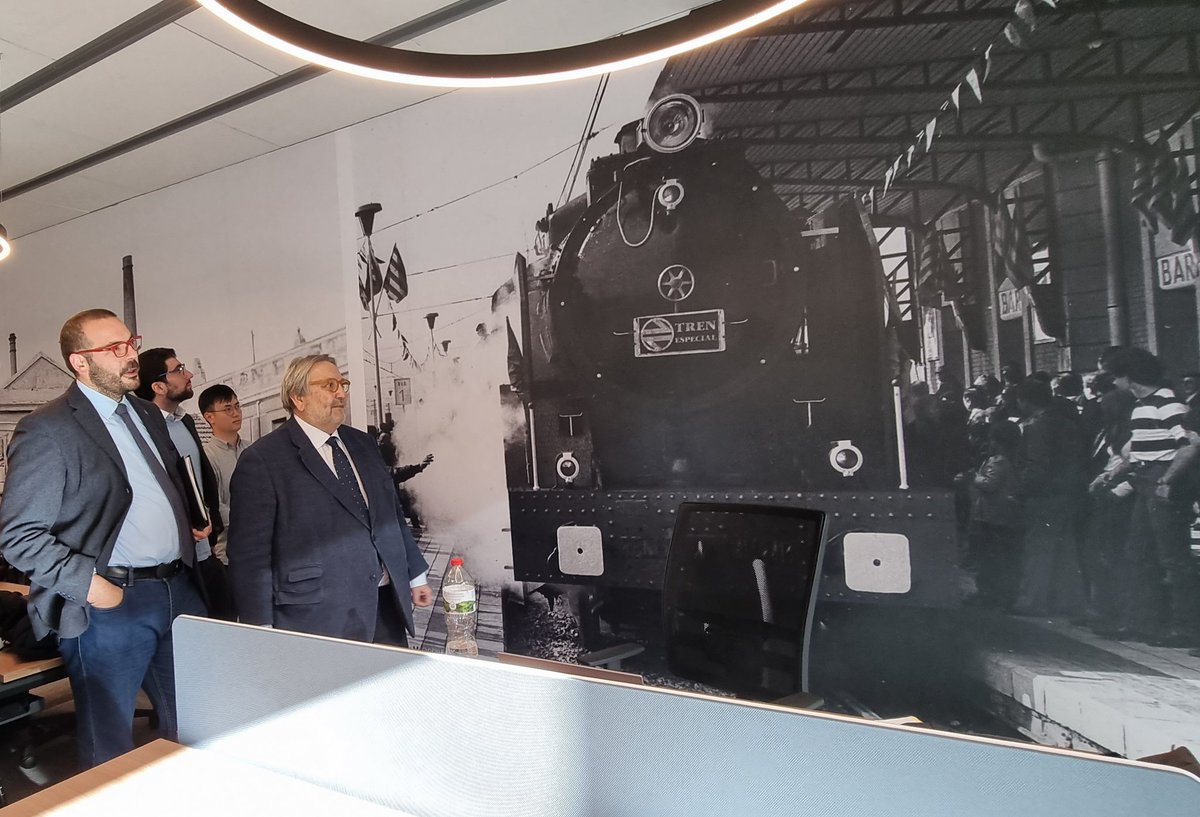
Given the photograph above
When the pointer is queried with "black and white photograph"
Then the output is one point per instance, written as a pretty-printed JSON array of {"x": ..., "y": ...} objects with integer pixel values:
[{"x": 835, "y": 364}]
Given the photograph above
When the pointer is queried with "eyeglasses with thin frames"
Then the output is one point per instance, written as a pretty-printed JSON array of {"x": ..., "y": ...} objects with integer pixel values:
[
  {"x": 121, "y": 348},
  {"x": 180, "y": 369},
  {"x": 331, "y": 385}
]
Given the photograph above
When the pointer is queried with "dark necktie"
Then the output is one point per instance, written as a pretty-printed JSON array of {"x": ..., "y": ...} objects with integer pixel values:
[
  {"x": 188, "y": 554},
  {"x": 345, "y": 475}
]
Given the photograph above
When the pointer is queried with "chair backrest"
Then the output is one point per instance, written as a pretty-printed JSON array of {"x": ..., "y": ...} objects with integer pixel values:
[{"x": 739, "y": 593}]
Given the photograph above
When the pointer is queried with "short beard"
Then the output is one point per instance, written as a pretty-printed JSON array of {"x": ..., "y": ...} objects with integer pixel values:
[{"x": 108, "y": 384}]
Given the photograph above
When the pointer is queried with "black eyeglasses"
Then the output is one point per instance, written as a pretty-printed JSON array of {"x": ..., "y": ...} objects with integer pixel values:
[
  {"x": 180, "y": 369},
  {"x": 121, "y": 348},
  {"x": 233, "y": 409}
]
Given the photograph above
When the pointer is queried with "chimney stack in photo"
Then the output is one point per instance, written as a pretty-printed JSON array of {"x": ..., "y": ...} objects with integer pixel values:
[
  {"x": 127, "y": 286},
  {"x": 12, "y": 353}
]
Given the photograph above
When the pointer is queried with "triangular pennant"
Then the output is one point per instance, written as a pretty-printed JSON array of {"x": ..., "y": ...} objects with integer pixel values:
[
  {"x": 887, "y": 179},
  {"x": 987, "y": 61},
  {"x": 908, "y": 155},
  {"x": 954, "y": 97},
  {"x": 972, "y": 80},
  {"x": 1024, "y": 11},
  {"x": 929, "y": 129},
  {"x": 1014, "y": 36}
]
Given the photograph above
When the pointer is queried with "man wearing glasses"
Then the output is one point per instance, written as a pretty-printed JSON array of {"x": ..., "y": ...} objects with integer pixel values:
[
  {"x": 317, "y": 540},
  {"x": 166, "y": 382},
  {"x": 94, "y": 514},
  {"x": 221, "y": 410}
]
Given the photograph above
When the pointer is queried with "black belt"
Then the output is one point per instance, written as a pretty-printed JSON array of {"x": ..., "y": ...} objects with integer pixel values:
[{"x": 125, "y": 576}]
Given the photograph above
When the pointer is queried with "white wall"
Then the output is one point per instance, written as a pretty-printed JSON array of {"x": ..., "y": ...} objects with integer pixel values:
[{"x": 269, "y": 246}]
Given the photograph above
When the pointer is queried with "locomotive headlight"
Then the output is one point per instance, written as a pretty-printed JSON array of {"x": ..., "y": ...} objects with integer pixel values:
[
  {"x": 845, "y": 457},
  {"x": 673, "y": 123},
  {"x": 670, "y": 193}
]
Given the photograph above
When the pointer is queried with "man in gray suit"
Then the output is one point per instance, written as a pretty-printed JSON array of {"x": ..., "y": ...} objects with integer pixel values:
[
  {"x": 317, "y": 541},
  {"x": 94, "y": 514}
]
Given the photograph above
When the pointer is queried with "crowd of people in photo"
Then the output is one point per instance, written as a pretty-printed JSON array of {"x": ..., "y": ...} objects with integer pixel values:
[{"x": 1076, "y": 494}]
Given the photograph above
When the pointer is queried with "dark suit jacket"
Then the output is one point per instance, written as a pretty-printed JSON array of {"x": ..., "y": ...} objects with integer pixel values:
[
  {"x": 300, "y": 556},
  {"x": 65, "y": 498},
  {"x": 208, "y": 481}
]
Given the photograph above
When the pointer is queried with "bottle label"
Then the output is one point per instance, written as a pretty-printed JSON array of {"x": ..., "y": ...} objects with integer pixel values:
[{"x": 459, "y": 598}]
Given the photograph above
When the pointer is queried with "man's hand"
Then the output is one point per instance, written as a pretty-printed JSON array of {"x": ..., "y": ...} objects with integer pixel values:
[
  {"x": 103, "y": 594},
  {"x": 422, "y": 596},
  {"x": 198, "y": 534}
]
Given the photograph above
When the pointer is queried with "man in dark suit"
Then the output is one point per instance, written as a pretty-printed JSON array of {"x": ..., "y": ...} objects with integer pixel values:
[
  {"x": 94, "y": 514},
  {"x": 317, "y": 541},
  {"x": 166, "y": 383}
]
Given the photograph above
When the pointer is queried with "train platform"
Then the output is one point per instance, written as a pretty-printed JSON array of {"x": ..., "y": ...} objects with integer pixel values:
[
  {"x": 430, "y": 622},
  {"x": 1062, "y": 685}
]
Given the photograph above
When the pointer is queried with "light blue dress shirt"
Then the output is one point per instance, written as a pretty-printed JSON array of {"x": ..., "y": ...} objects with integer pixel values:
[
  {"x": 149, "y": 535},
  {"x": 185, "y": 444}
]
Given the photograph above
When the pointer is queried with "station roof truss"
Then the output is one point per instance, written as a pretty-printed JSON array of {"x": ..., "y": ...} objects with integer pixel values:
[{"x": 826, "y": 101}]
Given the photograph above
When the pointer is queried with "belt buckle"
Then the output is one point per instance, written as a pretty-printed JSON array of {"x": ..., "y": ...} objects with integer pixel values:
[{"x": 120, "y": 580}]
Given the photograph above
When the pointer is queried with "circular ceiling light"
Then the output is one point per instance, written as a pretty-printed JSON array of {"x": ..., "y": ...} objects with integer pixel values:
[
  {"x": 702, "y": 26},
  {"x": 5, "y": 245}
]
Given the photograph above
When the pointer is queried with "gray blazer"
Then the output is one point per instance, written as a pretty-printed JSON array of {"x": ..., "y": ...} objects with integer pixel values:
[
  {"x": 65, "y": 499},
  {"x": 301, "y": 557}
]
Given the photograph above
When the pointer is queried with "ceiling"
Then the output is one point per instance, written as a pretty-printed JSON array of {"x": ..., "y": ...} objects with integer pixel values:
[
  {"x": 102, "y": 101},
  {"x": 128, "y": 96}
]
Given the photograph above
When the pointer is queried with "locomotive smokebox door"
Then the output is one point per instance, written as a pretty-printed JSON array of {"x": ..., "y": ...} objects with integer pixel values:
[{"x": 580, "y": 550}]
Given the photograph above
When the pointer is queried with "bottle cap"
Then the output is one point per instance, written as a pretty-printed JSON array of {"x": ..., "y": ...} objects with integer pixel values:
[{"x": 456, "y": 562}]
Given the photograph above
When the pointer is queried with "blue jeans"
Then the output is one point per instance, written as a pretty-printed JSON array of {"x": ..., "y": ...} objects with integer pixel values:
[{"x": 123, "y": 649}]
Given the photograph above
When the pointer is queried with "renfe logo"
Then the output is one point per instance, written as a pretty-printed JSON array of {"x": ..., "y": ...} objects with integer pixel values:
[
  {"x": 1178, "y": 270},
  {"x": 684, "y": 333}
]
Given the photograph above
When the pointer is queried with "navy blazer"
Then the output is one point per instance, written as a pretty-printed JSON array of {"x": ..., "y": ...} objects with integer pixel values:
[
  {"x": 65, "y": 499},
  {"x": 301, "y": 557}
]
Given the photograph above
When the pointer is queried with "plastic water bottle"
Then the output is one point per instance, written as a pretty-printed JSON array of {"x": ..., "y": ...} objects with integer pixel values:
[{"x": 460, "y": 606}]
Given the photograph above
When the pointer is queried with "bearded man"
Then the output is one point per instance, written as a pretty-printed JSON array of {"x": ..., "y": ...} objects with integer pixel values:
[{"x": 94, "y": 513}]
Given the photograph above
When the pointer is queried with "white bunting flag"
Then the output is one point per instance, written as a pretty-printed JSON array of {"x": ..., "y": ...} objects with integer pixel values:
[
  {"x": 1013, "y": 34},
  {"x": 973, "y": 81},
  {"x": 1024, "y": 10},
  {"x": 929, "y": 129},
  {"x": 954, "y": 97}
]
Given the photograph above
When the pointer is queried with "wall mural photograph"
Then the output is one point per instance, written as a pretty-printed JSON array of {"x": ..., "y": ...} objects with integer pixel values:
[
  {"x": 849, "y": 271},
  {"x": 851, "y": 361}
]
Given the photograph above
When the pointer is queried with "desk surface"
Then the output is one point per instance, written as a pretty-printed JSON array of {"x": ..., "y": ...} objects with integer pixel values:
[
  {"x": 13, "y": 668},
  {"x": 165, "y": 778}
]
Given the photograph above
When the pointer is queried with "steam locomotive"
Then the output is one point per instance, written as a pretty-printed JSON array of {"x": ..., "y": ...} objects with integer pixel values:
[{"x": 684, "y": 337}]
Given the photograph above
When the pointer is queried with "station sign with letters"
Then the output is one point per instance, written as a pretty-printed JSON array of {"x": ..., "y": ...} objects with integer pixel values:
[
  {"x": 680, "y": 333},
  {"x": 1012, "y": 301},
  {"x": 1178, "y": 270}
]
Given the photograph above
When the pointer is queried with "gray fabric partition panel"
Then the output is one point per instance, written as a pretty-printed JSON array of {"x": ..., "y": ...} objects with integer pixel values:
[{"x": 436, "y": 735}]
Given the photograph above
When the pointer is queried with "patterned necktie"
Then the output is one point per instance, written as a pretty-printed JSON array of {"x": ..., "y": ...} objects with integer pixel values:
[
  {"x": 345, "y": 475},
  {"x": 188, "y": 554}
]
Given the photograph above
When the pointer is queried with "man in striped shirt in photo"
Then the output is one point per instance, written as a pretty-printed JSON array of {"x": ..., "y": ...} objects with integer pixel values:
[{"x": 1163, "y": 604}]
